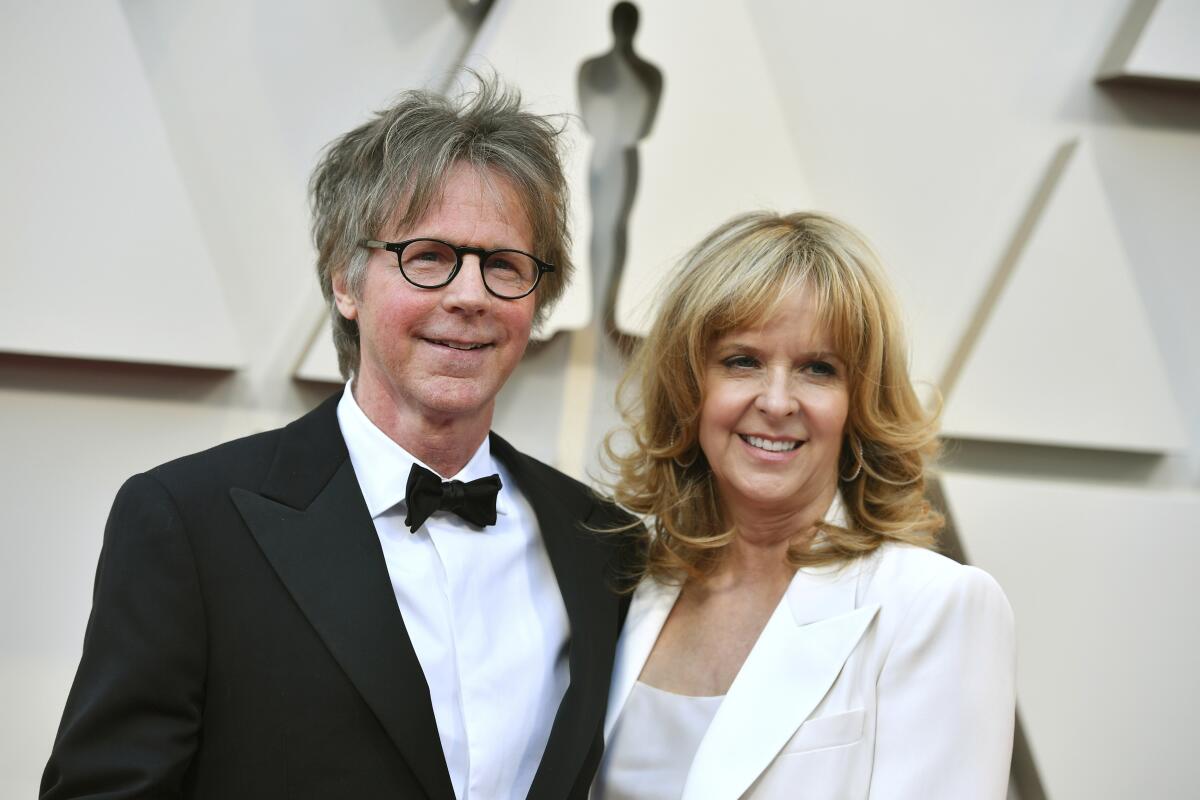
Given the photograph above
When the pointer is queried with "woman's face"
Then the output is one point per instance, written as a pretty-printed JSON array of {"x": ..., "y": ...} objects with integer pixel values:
[{"x": 774, "y": 408}]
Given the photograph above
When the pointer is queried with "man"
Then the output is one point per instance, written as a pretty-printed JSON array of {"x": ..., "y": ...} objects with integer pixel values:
[{"x": 311, "y": 612}]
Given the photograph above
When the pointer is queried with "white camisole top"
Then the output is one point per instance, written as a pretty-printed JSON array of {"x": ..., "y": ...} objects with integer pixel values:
[{"x": 652, "y": 745}]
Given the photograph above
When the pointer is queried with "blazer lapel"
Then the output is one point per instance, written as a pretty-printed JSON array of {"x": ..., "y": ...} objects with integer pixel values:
[
  {"x": 312, "y": 524},
  {"x": 791, "y": 667},
  {"x": 648, "y": 612},
  {"x": 580, "y": 563}
]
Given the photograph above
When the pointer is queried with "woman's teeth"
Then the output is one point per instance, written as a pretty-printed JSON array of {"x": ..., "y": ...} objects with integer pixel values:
[{"x": 770, "y": 444}]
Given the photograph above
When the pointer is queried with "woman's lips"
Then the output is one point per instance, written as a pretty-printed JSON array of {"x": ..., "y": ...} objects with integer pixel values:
[{"x": 770, "y": 445}]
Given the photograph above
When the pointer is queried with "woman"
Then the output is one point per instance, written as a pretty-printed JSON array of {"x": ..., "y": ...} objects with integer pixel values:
[{"x": 792, "y": 636}]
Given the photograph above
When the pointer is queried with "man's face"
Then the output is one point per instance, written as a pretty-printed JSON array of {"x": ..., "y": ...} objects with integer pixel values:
[{"x": 437, "y": 356}]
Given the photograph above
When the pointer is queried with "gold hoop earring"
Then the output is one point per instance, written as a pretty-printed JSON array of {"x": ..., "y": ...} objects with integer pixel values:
[{"x": 857, "y": 451}]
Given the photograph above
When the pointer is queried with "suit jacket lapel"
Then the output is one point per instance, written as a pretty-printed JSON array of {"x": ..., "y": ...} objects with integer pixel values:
[
  {"x": 312, "y": 524},
  {"x": 580, "y": 562},
  {"x": 791, "y": 667},
  {"x": 648, "y": 612}
]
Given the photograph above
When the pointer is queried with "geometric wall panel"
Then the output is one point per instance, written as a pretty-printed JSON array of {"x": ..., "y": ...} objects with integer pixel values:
[
  {"x": 921, "y": 140},
  {"x": 320, "y": 360},
  {"x": 720, "y": 146},
  {"x": 248, "y": 108},
  {"x": 1102, "y": 584},
  {"x": 1159, "y": 42},
  {"x": 102, "y": 254},
  {"x": 1066, "y": 356},
  {"x": 717, "y": 145}
]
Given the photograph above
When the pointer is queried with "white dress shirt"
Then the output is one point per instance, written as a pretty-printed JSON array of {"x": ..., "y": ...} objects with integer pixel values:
[{"x": 482, "y": 609}]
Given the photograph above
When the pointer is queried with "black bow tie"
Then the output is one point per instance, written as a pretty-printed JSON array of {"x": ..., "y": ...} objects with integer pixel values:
[{"x": 474, "y": 501}]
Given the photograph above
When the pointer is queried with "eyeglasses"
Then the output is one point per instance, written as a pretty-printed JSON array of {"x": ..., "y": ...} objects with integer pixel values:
[{"x": 432, "y": 264}]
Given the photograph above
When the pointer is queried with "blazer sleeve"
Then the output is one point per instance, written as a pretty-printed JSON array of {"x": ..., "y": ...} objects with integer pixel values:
[
  {"x": 946, "y": 694},
  {"x": 132, "y": 718}
]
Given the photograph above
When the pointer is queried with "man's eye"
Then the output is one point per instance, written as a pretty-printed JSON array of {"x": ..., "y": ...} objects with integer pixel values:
[
  {"x": 427, "y": 254},
  {"x": 501, "y": 265}
]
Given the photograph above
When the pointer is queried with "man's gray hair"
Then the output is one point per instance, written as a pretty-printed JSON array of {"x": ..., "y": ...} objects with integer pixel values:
[{"x": 403, "y": 156}]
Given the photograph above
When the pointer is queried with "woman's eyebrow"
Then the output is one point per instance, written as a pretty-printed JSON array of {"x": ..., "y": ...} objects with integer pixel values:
[{"x": 734, "y": 346}]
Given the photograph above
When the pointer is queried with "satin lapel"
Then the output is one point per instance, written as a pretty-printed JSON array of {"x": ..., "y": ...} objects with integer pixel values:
[
  {"x": 580, "y": 562},
  {"x": 793, "y": 664},
  {"x": 648, "y": 611},
  {"x": 328, "y": 556}
]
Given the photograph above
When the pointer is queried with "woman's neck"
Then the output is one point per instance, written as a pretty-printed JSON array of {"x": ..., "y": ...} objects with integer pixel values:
[{"x": 758, "y": 553}]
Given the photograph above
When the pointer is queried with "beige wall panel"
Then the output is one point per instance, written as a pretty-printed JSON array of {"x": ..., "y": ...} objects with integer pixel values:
[
  {"x": 1067, "y": 355},
  {"x": 105, "y": 255},
  {"x": 1101, "y": 580},
  {"x": 1150, "y": 177}
]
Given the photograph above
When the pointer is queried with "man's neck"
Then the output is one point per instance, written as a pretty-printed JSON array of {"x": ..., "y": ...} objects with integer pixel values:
[
  {"x": 445, "y": 452},
  {"x": 445, "y": 443}
]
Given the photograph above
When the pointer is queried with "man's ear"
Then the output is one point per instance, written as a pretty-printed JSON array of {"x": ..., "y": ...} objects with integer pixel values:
[{"x": 347, "y": 305}]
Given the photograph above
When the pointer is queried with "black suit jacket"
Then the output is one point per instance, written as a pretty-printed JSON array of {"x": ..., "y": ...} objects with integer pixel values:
[{"x": 245, "y": 641}]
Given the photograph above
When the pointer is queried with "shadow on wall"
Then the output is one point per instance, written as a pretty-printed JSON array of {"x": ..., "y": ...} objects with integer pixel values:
[
  {"x": 471, "y": 12},
  {"x": 114, "y": 379},
  {"x": 1051, "y": 463},
  {"x": 1024, "y": 783},
  {"x": 1146, "y": 100}
]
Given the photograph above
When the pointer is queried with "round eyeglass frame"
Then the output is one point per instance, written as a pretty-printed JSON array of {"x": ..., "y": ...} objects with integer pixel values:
[{"x": 459, "y": 252}]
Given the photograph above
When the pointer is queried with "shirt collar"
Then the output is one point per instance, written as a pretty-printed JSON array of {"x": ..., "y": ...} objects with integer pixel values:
[{"x": 382, "y": 466}]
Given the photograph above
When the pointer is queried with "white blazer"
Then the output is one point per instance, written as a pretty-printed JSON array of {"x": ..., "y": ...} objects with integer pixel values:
[{"x": 889, "y": 678}]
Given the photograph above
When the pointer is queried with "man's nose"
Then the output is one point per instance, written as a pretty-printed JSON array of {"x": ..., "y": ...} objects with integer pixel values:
[{"x": 467, "y": 291}]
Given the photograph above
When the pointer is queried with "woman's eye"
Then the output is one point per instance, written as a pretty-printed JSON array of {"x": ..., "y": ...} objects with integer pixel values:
[
  {"x": 740, "y": 362},
  {"x": 822, "y": 368}
]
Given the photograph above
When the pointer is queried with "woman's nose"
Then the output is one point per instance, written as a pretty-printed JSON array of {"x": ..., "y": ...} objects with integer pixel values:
[{"x": 778, "y": 395}]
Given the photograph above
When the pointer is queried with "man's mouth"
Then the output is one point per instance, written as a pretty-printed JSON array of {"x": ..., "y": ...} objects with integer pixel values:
[
  {"x": 459, "y": 345},
  {"x": 771, "y": 445}
]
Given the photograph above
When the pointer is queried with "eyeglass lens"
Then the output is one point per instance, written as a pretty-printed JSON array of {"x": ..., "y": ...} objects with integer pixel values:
[{"x": 428, "y": 263}]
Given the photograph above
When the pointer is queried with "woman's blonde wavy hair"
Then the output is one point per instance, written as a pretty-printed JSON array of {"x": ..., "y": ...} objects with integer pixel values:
[{"x": 735, "y": 278}]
